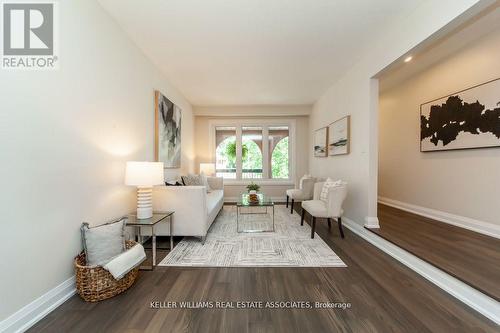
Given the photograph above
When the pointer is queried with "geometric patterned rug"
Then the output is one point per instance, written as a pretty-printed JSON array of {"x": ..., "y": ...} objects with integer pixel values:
[{"x": 290, "y": 245}]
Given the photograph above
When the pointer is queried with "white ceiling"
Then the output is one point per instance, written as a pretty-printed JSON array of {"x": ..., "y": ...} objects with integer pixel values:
[
  {"x": 249, "y": 52},
  {"x": 467, "y": 33}
]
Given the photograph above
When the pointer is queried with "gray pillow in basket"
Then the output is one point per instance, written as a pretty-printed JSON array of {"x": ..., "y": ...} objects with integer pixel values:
[{"x": 104, "y": 242}]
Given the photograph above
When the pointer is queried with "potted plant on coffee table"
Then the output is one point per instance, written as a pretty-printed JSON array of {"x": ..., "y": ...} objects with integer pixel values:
[
  {"x": 253, "y": 188},
  {"x": 252, "y": 192}
]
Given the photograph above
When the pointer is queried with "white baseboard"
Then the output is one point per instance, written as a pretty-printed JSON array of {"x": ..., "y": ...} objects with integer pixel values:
[
  {"x": 478, "y": 301},
  {"x": 29, "y": 315},
  {"x": 482, "y": 227},
  {"x": 372, "y": 222},
  {"x": 235, "y": 199}
]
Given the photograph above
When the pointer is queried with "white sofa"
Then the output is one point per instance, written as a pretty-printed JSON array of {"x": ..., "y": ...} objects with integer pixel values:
[{"x": 195, "y": 209}]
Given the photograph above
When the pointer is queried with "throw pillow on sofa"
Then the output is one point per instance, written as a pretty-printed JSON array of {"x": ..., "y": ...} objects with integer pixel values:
[
  {"x": 103, "y": 242},
  {"x": 191, "y": 180},
  {"x": 173, "y": 183},
  {"x": 196, "y": 180}
]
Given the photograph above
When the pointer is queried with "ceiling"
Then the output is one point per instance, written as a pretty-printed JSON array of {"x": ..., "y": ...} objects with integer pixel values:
[
  {"x": 457, "y": 40},
  {"x": 259, "y": 52}
]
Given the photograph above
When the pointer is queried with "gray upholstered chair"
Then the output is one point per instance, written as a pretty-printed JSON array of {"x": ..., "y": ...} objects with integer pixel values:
[
  {"x": 329, "y": 208},
  {"x": 303, "y": 192}
]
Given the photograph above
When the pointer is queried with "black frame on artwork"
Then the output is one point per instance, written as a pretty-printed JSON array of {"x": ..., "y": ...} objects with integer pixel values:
[{"x": 436, "y": 99}]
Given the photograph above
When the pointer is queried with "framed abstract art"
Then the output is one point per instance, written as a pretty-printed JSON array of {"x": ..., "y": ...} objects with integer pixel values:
[
  {"x": 167, "y": 131},
  {"x": 339, "y": 137},
  {"x": 320, "y": 140},
  {"x": 464, "y": 120}
]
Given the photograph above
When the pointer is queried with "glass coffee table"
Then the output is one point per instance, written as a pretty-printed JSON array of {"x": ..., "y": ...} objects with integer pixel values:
[{"x": 248, "y": 209}]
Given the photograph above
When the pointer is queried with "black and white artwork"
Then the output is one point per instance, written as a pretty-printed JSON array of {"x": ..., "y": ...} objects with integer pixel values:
[
  {"x": 464, "y": 120},
  {"x": 320, "y": 138},
  {"x": 167, "y": 131},
  {"x": 338, "y": 137}
]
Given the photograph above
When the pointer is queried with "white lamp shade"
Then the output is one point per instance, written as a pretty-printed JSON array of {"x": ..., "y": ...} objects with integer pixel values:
[
  {"x": 207, "y": 168},
  {"x": 144, "y": 173}
]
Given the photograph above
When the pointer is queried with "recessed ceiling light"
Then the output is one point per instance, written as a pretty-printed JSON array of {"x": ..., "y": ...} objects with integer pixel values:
[{"x": 408, "y": 59}]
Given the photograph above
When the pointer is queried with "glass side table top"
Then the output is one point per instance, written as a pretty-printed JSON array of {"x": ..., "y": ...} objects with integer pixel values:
[
  {"x": 157, "y": 217},
  {"x": 244, "y": 200}
]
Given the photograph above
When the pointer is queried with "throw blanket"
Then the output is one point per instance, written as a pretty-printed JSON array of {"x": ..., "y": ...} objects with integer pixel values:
[{"x": 126, "y": 261}]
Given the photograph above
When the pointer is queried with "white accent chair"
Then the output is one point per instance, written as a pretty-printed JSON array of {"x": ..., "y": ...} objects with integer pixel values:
[
  {"x": 331, "y": 208},
  {"x": 302, "y": 193}
]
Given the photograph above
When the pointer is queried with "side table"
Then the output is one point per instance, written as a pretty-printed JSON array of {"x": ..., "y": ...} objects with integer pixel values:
[{"x": 164, "y": 217}]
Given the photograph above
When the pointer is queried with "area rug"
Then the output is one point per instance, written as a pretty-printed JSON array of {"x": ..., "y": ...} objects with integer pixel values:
[{"x": 289, "y": 246}]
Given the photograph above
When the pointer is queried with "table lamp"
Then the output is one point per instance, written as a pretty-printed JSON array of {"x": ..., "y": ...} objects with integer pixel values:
[
  {"x": 207, "y": 168},
  {"x": 144, "y": 175}
]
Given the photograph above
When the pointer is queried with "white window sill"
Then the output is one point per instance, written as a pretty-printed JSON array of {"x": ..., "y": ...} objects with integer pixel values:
[{"x": 238, "y": 182}]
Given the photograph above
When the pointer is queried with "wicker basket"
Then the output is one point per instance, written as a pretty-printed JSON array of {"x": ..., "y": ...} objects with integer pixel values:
[{"x": 94, "y": 284}]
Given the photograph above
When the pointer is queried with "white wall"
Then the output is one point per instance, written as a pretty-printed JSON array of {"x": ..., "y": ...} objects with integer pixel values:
[
  {"x": 254, "y": 110},
  {"x": 461, "y": 182},
  {"x": 356, "y": 94},
  {"x": 203, "y": 146},
  {"x": 65, "y": 136}
]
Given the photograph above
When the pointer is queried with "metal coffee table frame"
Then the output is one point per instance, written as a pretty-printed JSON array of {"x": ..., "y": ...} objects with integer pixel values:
[{"x": 244, "y": 203}]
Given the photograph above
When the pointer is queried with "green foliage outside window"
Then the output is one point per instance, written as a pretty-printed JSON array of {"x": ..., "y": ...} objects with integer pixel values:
[
  {"x": 252, "y": 156},
  {"x": 279, "y": 159},
  {"x": 231, "y": 153}
]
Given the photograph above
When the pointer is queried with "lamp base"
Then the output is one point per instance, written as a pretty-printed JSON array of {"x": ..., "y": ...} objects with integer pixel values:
[{"x": 144, "y": 202}]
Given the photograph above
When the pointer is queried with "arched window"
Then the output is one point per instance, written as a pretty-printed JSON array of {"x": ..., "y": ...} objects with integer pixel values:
[
  {"x": 225, "y": 155},
  {"x": 251, "y": 159},
  {"x": 279, "y": 159},
  {"x": 245, "y": 151}
]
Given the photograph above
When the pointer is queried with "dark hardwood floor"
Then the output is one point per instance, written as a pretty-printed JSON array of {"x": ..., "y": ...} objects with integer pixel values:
[
  {"x": 385, "y": 296},
  {"x": 469, "y": 256}
]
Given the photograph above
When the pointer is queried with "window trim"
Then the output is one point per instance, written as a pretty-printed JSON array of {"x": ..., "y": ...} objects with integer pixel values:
[{"x": 265, "y": 124}]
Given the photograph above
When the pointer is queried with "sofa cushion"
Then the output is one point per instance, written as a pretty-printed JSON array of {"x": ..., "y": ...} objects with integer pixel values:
[{"x": 215, "y": 201}]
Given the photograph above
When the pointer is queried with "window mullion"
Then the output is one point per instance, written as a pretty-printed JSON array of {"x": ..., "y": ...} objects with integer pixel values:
[
  {"x": 239, "y": 162},
  {"x": 291, "y": 152},
  {"x": 265, "y": 153}
]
